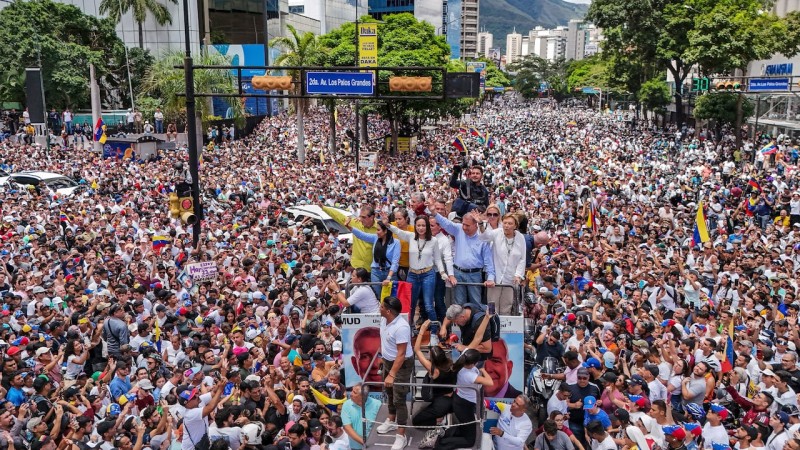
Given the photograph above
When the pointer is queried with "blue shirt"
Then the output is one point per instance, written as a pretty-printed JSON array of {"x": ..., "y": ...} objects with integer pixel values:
[
  {"x": 119, "y": 387},
  {"x": 351, "y": 415},
  {"x": 470, "y": 251},
  {"x": 392, "y": 251},
  {"x": 601, "y": 416},
  {"x": 15, "y": 396}
]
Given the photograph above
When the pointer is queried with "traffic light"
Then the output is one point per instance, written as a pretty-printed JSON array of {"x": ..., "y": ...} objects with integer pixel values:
[
  {"x": 174, "y": 205},
  {"x": 700, "y": 84},
  {"x": 181, "y": 203},
  {"x": 410, "y": 84},
  {"x": 729, "y": 86},
  {"x": 269, "y": 83}
]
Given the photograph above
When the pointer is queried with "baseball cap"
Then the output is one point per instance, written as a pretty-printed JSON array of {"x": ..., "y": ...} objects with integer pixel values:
[
  {"x": 675, "y": 431},
  {"x": 113, "y": 409},
  {"x": 592, "y": 363},
  {"x": 589, "y": 402},
  {"x": 638, "y": 400},
  {"x": 693, "y": 428},
  {"x": 188, "y": 394},
  {"x": 609, "y": 358},
  {"x": 636, "y": 379},
  {"x": 569, "y": 317},
  {"x": 337, "y": 346},
  {"x": 723, "y": 411},
  {"x": 12, "y": 351},
  {"x": 782, "y": 416},
  {"x": 42, "y": 351}
]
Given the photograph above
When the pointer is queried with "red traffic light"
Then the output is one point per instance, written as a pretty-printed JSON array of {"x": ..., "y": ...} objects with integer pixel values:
[{"x": 186, "y": 204}]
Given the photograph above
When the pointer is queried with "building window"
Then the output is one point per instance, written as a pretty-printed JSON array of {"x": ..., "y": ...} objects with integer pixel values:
[{"x": 297, "y": 9}]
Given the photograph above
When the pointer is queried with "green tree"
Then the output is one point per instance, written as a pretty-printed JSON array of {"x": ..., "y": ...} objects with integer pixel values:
[
  {"x": 587, "y": 72},
  {"x": 299, "y": 50},
  {"x": 114, "y": 9},
  {"x": 61, "y": 40},
  {"x": 533, "y": 70},
  {"x": 646, "y": 36},
  {"x": 162, "y": 81},
  {"x": 654, "y": 95},
  {"x": 116, "y": 80},
  {"x": 722, "y": 109}
]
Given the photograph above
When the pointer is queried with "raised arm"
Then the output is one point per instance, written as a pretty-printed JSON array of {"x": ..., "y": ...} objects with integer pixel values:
[
  {"x": 367, "y": 237},
  {"x": 403, "y": 235}
]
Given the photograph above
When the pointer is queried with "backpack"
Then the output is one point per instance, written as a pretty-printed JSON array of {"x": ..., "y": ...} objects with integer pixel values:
[{"x": 494, "y": 324}]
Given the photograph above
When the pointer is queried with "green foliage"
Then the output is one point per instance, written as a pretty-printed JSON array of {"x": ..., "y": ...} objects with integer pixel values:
[
  {"x": 587, "y": 72},
  {"x": 494, "y": 76},
  {"x": 532, "y": 70},
  {"x": 117, "y": 77},
  {"x": 721, "y": 108},
  {"x": 115, "y": 9},
  {"x": 65, "y": 40},
  {"x": 147, "y": 105},
  {"x": 654, "y": 94},
  {"x": 164, "y": 82}
]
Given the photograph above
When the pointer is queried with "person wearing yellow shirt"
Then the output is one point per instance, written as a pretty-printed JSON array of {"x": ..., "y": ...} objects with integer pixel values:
[
  {"x": 362, "y": 250},
  {"x": 783, "y": 220},
  {"x": 401, "y": 221}
]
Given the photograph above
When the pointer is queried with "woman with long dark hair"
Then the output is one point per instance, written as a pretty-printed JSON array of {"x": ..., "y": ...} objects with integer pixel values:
[
  {"x": 385, "y": 254},
  {"x": 440, "y": 370},
  {"x": 423, "y": 254}
]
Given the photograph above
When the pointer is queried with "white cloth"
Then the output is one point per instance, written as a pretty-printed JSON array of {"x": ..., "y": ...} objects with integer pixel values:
[
  {"x": 421, "y": 253},
  {"x": 394, "y": 333},
  {"x": 509, "y": 255}
]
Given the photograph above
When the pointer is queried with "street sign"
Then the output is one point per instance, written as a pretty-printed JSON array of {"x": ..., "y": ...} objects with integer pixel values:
[
  {"x": 339, "y": 83},
  {"x": 768, "y": 84}
]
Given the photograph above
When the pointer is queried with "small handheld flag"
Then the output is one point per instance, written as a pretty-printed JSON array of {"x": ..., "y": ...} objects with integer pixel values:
[
  {"x": 754, "y": 184},
  {"x": 700, "y": 234},
  {"x": 591, "y": 220},
  {"x": 769, "y": 149},
  {"x": 459, "y": 144},
  {"x": 159, "y": 242}
]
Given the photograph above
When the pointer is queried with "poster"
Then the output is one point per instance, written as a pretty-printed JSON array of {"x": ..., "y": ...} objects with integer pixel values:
[
  {"x": 367, "y": 160},
  {"x": 247, "y": 55},
  {"x": 361, "y": 338},
  {"x": 368, "y": 45},
  {"x": 118, "y": 150},
  {"x": 479, "y": 67},
  {"x": 202, "y": 271}
]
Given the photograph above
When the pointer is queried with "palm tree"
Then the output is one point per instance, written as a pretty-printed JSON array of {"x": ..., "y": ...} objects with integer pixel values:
[
  {"x": 114, "y": 9},
  {"x": 163, "y": 81},
  {"x": 299, "y": 51}
]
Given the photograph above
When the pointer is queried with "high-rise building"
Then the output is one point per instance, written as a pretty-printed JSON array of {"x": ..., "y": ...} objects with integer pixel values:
[
  {"x": 470, "y": 14},
  {"x": 582, "y": 39},
  {"x": 331, "y": 14},
  {"x": 526, "y": 46},
  {"x": 548, "y": 44},
  {"x": 485, "y": 42},
  {"x": 513, "y": 47}
]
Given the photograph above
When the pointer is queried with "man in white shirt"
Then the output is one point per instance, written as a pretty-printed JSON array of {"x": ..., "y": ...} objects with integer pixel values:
[
  {"x": 558, "y": 402},
  {"x": 601, "y": 440},
  {"x": 361, "y": 297},
  {"x": 657, "y": 389},
  {"x": 513, "y": 427}
]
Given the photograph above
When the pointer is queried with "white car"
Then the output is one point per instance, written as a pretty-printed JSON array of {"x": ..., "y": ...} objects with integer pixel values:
[
  {"x": 322, "y": 221},
  {"x": 61, "y": 184},
  {"x": 3, "y": 177}
]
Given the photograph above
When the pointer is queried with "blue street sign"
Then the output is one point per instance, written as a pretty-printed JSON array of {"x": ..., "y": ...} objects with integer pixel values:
[
  {"x": 768, "y": 84},
  {"x": 339, "y": 83}
]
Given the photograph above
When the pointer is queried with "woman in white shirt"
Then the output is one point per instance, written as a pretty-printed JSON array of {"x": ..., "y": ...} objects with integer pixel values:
[
  {"x": 423, "y": 254},
  {"x": 508, "y": 250}
]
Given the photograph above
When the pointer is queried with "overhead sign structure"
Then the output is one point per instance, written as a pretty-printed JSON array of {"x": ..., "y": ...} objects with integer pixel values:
[
  {"x": 768, "y": 84},
  {"x": 368, "y": 45},
  {"x": 339, "y": 83}
]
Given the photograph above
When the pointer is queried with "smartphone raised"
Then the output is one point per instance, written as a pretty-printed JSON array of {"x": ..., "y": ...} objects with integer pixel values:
[{"x": 492, "y": 308}]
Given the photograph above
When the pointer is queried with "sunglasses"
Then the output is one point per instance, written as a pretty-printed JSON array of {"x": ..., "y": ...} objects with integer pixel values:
[{"x": 492, "y": 214}]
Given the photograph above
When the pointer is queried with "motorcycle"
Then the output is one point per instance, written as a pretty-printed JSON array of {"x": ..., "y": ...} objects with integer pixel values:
[{"x": 541, "y": 389}]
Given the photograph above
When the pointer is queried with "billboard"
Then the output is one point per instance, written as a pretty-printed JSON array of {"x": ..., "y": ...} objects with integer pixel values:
[
  {"x": 454, "y": 28},
  {"x": 479, "y": 67},
  {"x": 368, "y": 45},
  {"x": 246, "y": 55}
]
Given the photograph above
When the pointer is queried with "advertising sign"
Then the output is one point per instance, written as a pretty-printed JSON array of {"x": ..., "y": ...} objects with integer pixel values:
[
  {"x": 246, "y": 55},
  {"x": 202, "y": 271},
  {"x": 479, "y": 67},
  {"x": 118, "y": 150},
  {"x": 368, "y": 45}
]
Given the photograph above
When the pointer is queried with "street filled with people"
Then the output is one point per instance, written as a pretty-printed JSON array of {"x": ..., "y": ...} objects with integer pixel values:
[{"x": 655, "y": 268}]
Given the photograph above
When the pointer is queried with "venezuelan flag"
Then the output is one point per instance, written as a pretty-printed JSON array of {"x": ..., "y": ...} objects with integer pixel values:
[
  {"x": 769, "y": 149},
  {"x": 730, "y": 357},
  {"x": 459, "y": 144},
  {"x": 159, "y": 242},
  {"x": 591, "y": 220},
  {"x": 401, "y": 290},
  {"x": 463, "y": 129},
  {"x": 474, "y": 131},
  {"x": 490, "y": 142},
  {"x": 63, "y": 217},
  {"x": 700, "y": 234},
  {"x": 331, "y": 403},
  {"x": 492, "y": 405},
  {"x": 754, "y": 184},
  {"x": 100, "y": 131},
  {"x": 157, "y": 337}
]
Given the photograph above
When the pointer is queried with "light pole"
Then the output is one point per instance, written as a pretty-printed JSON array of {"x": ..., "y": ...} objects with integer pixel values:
[
  {"x": 267, "y": 9},
  {"x": 191, "y": 128}
]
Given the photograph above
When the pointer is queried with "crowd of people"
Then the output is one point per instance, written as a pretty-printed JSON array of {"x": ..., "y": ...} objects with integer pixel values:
[{"x": 667, "y": 337}]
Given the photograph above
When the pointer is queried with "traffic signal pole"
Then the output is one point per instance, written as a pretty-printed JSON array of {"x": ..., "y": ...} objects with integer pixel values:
[{"x": 191, "y": 129}]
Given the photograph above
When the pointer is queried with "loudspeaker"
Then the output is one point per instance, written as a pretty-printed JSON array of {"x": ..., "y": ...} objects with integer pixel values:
[
  {"x": 34, "y": 95},
  {"x": 463, "y": 84}
]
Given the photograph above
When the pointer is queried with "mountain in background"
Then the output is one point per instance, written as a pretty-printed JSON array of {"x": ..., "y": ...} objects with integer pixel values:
[{"x": 500, "y": 17}]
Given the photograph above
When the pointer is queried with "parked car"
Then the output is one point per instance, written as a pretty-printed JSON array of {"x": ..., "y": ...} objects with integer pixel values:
[
  {"x": 61, "y": 184},
  {"x": 322, "y": 221}
]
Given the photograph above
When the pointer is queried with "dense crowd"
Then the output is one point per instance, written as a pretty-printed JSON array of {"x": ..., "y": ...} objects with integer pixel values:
[{"x": 665, "y": 338}]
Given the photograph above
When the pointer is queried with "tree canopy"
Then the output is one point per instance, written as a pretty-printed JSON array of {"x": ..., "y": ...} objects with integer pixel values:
[{"x": 63, "y": 41}]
